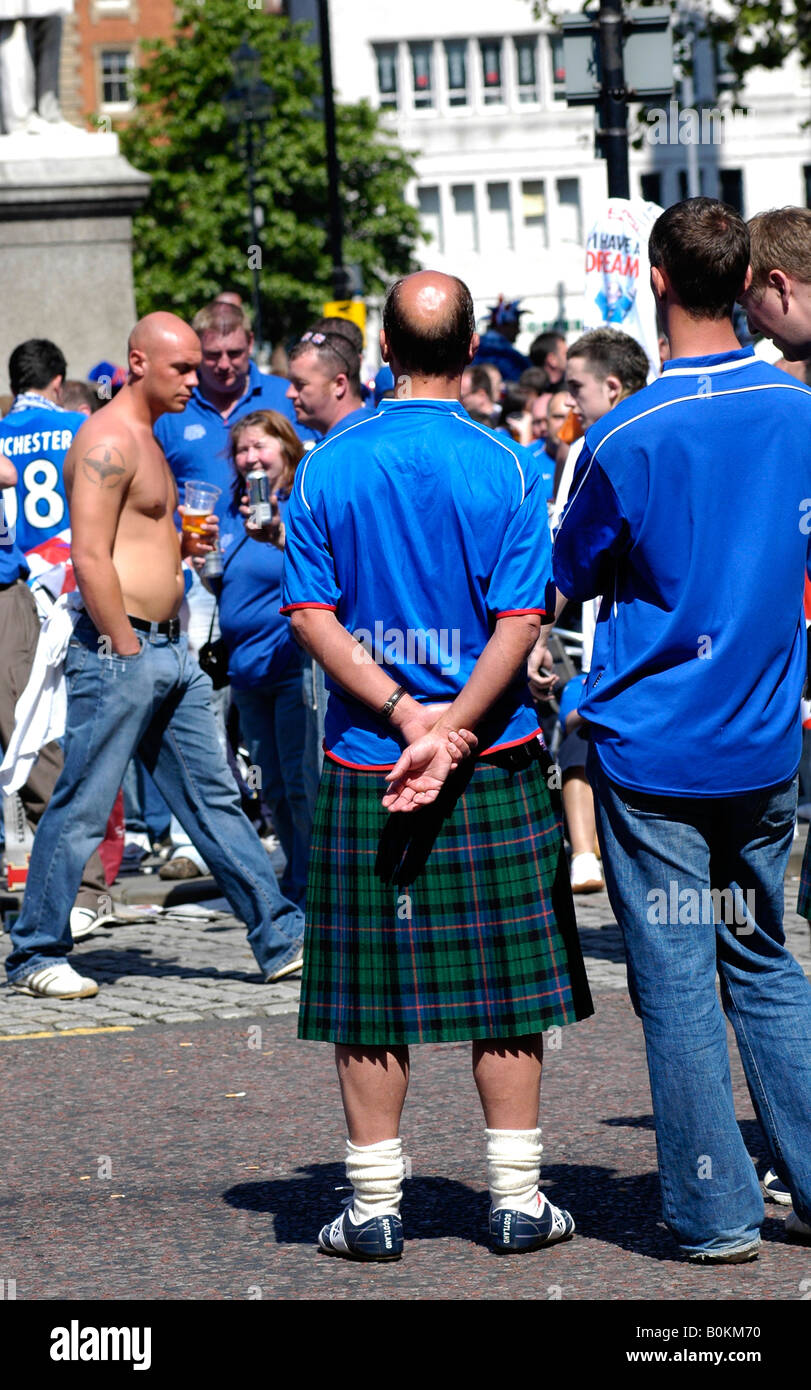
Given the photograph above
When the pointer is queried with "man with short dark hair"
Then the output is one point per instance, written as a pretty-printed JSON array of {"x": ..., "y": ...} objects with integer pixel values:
[
  {"x": 449, "y": 919},
  {"x": 476, "y": 393},
  {"x": 324, "y": 387},
  {"x": 777, "y": 300},
  {"x": 688, "y": 512},
  {"x": 548, "y": 351}
]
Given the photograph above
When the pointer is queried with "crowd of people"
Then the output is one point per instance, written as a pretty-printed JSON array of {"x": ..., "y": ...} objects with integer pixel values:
[{"x": 366, "y": 572}]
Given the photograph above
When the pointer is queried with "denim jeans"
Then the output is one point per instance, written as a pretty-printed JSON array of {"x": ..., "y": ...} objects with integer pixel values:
[
  {"x": 278, "y": 729},
  {"x": 158, "y": 703},
  {"x": 315, "y": 697},
  {"x": 662, "y": 856}
]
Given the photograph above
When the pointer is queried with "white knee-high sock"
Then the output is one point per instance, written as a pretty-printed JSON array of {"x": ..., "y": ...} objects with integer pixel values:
[
  {"x": 376, "y": 1173},
  {"x": 514, "y": 1167}
]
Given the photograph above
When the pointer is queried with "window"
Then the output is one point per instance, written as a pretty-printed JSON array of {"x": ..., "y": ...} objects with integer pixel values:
[
  {"x": 111, "y": 7},
  {"x": 116, "y": 77},
  {"x": 456, "y": 60},
  {"x": 431, "y": 216},
  {"x": 533, "y": 213},
  {"x": 499, "y": 217},
  {"x": 491, "y": 70},
  {"x": 465, "y": 228},
  {"x": 650, "y": 187},
  {"x": 386, "y": 55},
  {"x": 731, "y": 181},
  {"x": 422, "y": 69},
  {"x": 704, "y": 183},
  {"x": 558, "y": 67},
  {"x": 526, "y": 68},
  {"x": 569, "y": 210}
]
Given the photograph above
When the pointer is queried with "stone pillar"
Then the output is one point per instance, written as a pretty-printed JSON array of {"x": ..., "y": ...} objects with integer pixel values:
[{"x": 66, "y": 208}]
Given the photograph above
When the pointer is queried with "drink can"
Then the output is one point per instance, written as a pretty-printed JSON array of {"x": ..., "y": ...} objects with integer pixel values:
[
  {"x": 212, "y": 566},
  {"x": 259, "y": 496}
]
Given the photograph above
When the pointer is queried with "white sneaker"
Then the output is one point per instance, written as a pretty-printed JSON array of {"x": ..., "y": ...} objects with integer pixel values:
[
  {"x": 586, "y": 873},
  {"x": 796, "y": 1227},
  {"x": 83, "y": 921},
  {"x": 57, "y": 982}
]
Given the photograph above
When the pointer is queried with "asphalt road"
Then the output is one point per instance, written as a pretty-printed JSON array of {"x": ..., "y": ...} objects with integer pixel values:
[{"x": 171, "y": 1140}]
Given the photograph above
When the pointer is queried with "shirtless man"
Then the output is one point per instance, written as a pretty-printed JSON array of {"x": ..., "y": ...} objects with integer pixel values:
[{"x": 132, "y": 684}]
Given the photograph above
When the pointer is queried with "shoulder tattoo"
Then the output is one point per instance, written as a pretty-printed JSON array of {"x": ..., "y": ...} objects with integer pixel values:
[{"x": 104, "y": 466}]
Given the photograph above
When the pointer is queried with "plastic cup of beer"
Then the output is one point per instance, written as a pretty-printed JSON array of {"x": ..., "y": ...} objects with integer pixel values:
[{"x": 199, "y": 502}]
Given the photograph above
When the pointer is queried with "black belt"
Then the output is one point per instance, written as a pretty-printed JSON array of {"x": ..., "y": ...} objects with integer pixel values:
[
  {"x": 520, "y": 756},
  {"x": 170, "y": 629}
]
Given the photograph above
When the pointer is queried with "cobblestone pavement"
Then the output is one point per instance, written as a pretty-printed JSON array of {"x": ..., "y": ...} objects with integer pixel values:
[{"x": 183, "y": 968}]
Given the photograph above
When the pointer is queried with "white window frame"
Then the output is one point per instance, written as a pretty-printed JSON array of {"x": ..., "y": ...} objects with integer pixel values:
[{"x": 115, "y": 108}]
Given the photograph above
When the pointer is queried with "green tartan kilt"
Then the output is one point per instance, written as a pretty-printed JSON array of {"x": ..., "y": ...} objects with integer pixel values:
[{"x": 445, "y": 924}]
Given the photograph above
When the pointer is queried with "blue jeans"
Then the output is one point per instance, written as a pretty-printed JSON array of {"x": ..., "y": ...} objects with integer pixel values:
[
  {"x": 315, "y": 696},
  {"x": 278, "y": 730},
  {"x": 157, "y": 703},
  {"x": 662, "y": 856}
]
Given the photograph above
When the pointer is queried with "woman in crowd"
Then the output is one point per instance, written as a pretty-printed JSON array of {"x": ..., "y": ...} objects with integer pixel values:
[{"x": 265, "y": 664}]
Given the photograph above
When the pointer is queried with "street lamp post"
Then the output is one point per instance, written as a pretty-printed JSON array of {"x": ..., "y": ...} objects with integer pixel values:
[
  {"x": 340, "y": 282},
  {"x": 247, "y": 105}
]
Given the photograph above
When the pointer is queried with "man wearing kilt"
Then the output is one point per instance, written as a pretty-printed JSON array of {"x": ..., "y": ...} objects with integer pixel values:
[{"x": 416, "y": 572}]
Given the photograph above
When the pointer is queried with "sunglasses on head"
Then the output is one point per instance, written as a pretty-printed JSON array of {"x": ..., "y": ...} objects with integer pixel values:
[{"x": 318, "y": 340}]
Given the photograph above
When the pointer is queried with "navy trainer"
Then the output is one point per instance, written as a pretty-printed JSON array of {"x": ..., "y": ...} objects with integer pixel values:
[
  {"x": 514, "y": 1232},
  {"x": 774, "y": 1189},
  {"x": 381, "y": 1238}
]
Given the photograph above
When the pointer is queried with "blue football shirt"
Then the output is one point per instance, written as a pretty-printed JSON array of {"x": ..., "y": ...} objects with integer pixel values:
[
  {"x": 418, "y": 528},
  {"x": 690, "y": 512}
]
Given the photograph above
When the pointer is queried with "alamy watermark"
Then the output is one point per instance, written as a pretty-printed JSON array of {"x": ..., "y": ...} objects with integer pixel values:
[
  {"x": 684, "y": 125},
  {"x": 691, "y": 907},
  {"x": 411, "y": 646}
]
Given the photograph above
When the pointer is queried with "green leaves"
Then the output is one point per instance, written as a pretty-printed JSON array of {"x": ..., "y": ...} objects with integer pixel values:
[{"x": 194, "y": 234}]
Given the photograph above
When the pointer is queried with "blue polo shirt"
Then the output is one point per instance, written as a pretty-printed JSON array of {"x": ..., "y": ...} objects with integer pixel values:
[
  {"x": 195, "y": 441},
  {"x": 261, "y": 647},
  {"x": 690, "y": 511},
  {"x": 418, "y": 528}
]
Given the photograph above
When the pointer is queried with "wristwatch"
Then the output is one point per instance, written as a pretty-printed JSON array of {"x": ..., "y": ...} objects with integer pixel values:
[{"x": 392, "y": 701}]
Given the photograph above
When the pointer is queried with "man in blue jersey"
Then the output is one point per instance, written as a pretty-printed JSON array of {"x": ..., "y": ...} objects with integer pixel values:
[
  {"x": 688, "y": 511},
  {"x": 324, "y": 388},
  {"x": 230, "y": 385},
  {"x": 416, "y": 570},
  {"x": 34, "y": 439}
]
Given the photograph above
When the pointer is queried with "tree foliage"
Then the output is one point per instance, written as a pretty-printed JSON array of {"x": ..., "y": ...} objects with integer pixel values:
[{"x": 193, "y": 236}]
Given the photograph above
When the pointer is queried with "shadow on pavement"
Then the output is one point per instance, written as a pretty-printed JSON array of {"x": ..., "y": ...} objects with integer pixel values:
[{"x": 438, "y": 1208}]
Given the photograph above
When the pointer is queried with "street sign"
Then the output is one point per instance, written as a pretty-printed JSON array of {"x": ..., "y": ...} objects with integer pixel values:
[
  {"x": 647, "y": 56},
  {"x": 353, "y": 309}
]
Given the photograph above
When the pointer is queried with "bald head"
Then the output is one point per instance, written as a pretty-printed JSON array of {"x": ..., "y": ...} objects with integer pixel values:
[
  {"x": 159, "y": 331},
  {"x": 163, "y": 354},
  {"x": 429, "y": 325}
]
